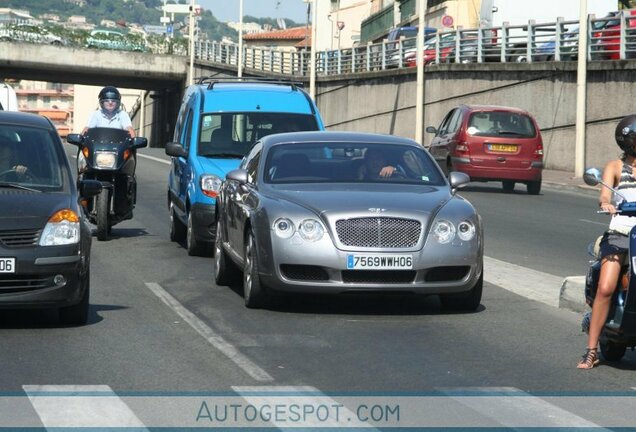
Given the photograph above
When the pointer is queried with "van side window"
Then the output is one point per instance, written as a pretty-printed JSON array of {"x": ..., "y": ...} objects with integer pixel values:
[{"x": 188, "y": 131}]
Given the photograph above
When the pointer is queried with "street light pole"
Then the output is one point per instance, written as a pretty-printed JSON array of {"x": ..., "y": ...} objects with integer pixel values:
[
  {"x": 191, "y": 34},
  {"x": 240, "y": 44},
  {"x": 581, "y": 93},
  {"x": 312, "y": 70},
  {"x": 419, "y": 102}
]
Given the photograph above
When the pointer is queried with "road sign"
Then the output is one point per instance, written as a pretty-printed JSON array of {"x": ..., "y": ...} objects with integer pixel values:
[
  {"x": 176, "y": 8},
  {"x": 447, "y": 21}
]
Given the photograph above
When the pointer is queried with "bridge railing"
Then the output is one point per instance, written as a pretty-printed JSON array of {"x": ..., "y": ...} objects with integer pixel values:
[{"x": 609, "y": 38}]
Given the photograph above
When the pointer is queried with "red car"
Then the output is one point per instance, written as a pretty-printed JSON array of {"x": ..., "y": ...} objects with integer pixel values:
[
  {"x": 606, "y": 37},
  {"x": 490, "y": 143}
]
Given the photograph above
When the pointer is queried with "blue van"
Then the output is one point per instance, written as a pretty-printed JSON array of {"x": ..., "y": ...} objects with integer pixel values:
[{"x": 219, "y": 120}]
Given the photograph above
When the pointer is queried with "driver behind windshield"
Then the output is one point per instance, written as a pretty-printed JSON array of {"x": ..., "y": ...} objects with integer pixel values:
[{"x": 8, "y": 159}]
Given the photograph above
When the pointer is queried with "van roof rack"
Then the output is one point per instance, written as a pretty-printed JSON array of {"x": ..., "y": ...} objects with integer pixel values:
[{"x": 211, "y": 80}]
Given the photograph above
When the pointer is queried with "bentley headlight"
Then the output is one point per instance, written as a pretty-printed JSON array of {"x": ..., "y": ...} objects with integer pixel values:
[
  {"x": 466, "y": 230},
  {"x": 106, "y": 160},
  {"x": 311, "y": 230},
  {"x": 443, "y": 231},
  {"x": 62, "y": 228},
  {"x": 284, "y": 228}
]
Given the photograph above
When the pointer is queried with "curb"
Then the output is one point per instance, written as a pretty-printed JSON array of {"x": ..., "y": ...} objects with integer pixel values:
[{"x": 572, "y": 294}]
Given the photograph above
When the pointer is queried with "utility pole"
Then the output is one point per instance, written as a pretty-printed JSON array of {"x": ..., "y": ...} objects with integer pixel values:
[
  {"x": 191, "y": 33},
  {"x": 420, "y": 99},
  {"x": 240, "y": 44},
  {"x": 581, "y": 93},
  {"x": 312, "y": 71}
]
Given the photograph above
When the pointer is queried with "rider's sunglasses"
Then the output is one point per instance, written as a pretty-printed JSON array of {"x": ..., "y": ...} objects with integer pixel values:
[{"x": 110, "y": 100}]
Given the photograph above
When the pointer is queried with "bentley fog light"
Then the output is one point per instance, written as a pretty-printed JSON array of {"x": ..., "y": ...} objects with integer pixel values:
[
  {"x": 284, "y": 228},
  {"x": 311, "y": 230},
  {"x": 211, "y": 185},
  {"x": 61, "y": 229},
  {"x": 59, "y": 280},
  {"x": 106, "y": 160},
  {"x": 466, "y": 230},
  {"x": 443, "y": 231}
]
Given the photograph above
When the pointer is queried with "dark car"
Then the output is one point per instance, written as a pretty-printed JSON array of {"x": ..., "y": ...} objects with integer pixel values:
[
  {"x": 338, "y": 212},
  {"x": 44, "y": 239},
  {"x": 490, "y": 143}
]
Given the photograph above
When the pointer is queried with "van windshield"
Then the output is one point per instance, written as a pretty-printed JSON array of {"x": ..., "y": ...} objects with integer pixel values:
[
  {"x": 232, "y": 134},
  {"x": 501, "y": 123}
]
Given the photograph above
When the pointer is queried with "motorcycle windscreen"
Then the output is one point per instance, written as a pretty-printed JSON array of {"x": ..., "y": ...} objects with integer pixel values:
[{"x": 104, "y": 135}]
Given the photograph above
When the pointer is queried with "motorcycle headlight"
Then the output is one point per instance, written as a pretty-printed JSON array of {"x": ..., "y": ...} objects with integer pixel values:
[
  {"x": 106, "y": 160},
  {"x": 311, "y": 230},
  {"x": 284, "y": 228},
  {"x": 443, "y": 231},
  {"x": 61, "y": 229},
  {"x": 466, "y": 230},
  {"x": 211, "y": 185},
  {"x": 81, "y": 162}
]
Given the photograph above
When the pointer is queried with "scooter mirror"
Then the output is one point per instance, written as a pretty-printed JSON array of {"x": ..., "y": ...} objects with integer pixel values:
[
  {"x": 140, "y": 142},
  {"x": 592, "y": 176},
  {"x": 75, "y": 139}
]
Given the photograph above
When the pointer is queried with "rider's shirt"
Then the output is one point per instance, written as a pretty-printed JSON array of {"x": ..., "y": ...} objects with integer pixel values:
[
  {"x": 120, "y": 120},
  {"x": 627, "y": 188}
]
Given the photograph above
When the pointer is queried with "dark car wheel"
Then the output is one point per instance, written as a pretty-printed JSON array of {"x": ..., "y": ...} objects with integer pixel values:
[
  {"x": 612, "y": 351},
  {"x": 465, "y": 301},
  {"x": 225, "y": 272},
  {"x": 77, "y": 314},
  {"x": 534, "y": 187},
  {"x": 194, "y": 247},
  {"x": 253, "y": 290},
  {"x": 177, "y": 229},
  {"x": 103, "y": 210},
  {"x": 508, "y": 186}
]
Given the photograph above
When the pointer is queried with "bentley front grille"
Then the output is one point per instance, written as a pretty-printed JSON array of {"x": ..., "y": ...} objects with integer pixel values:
[{"x": 379, "y": 232}]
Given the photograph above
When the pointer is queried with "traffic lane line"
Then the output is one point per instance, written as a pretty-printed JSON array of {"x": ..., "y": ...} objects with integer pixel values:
[
  {"x": 156, "y": 159},
  {"x": 213, "y": 338}
]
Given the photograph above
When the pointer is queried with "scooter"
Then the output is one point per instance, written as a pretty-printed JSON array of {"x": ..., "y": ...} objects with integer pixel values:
[
  {"x": 619, "y": 331},
  {"x": 109, "y": 156}
]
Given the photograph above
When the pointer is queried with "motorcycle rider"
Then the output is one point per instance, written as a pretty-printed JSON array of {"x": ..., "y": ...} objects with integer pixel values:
[
  {"x": 110, "y": 113},
  {"x": 621, "y": 175}
]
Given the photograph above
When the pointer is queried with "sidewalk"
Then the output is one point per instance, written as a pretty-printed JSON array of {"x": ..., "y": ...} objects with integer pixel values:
[{"x": 566, "y": 180}]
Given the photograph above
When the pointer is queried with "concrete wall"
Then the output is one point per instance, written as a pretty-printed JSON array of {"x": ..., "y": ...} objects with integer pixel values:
[{"x": 384, "y": 102}]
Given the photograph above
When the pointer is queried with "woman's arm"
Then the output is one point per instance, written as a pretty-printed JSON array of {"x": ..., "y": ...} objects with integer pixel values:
[{"x": 611, "y": 177}]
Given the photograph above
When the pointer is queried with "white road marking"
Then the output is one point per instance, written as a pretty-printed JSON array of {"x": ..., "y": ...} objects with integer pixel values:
[
  {"x": 72, "y": 407},
  {"x": 526, "y": 282},
  {"x": 210, "y": 335},
  {"x": 156, "y": 159},
  {"x": 517, "y": 409},
  {"x": 594, "y": 222}
]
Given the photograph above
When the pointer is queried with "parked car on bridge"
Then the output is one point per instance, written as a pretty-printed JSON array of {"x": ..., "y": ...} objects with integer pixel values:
[
  {"x": 44, "y": 238},
  {"x": 114, "y": 40},
  {"x": 605, "y": 43},
  {"x": 219, "y": 120},
  {"x": 310, "y": 212},
  {"x": 490, "y": 143},
  {"x": 29, "y": 33}
]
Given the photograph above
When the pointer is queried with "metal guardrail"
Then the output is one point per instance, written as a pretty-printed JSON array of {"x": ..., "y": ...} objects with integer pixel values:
[{"x": 609, "y": 38}]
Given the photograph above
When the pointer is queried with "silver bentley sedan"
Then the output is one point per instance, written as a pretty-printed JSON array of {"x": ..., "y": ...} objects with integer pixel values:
[{"x": 335, "y": 212}]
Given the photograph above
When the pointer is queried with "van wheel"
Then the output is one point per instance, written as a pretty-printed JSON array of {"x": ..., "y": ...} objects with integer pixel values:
[
  {"x": 177, "y": 229},
  {"x": 508, "y": 186},
  {"x": 534, "y": 187},
  {"x": 194, "y": 247}
]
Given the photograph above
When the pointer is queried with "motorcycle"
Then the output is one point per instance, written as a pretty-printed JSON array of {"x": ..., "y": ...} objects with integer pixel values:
[
  {"x": 619, "y": 331},
  {"x": 109, "y": 156}
]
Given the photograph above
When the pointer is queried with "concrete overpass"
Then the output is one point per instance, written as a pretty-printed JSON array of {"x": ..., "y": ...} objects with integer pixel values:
[{"x": 381, "y": 101}]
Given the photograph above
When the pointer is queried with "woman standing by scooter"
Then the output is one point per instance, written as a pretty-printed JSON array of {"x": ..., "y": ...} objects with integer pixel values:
[{"x": 621, "y": 175}]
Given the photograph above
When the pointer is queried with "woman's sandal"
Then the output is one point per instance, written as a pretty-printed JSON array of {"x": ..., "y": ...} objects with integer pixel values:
[{"x": 590, "y": 359}]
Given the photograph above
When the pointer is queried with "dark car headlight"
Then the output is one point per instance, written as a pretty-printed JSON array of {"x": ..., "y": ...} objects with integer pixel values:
[{"x": 62, "y": 228}]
